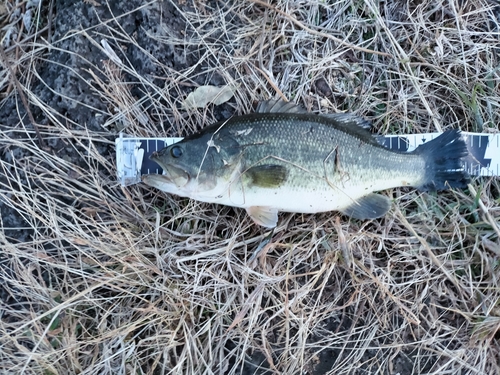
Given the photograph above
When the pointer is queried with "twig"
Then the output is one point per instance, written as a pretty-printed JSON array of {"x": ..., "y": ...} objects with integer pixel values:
[
  {"x": 21, "y": 94},
  {"x": 49, "y": 23}
]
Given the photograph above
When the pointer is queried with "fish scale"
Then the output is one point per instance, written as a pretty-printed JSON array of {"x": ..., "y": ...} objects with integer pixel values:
[{"x": 285, "y": 159}]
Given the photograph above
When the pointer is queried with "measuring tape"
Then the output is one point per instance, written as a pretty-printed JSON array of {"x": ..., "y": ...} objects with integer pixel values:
[{"x": 132, "y": 154}]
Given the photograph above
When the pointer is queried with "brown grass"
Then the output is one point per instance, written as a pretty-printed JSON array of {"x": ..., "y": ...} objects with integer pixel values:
[{"x": 119, "y": 280}]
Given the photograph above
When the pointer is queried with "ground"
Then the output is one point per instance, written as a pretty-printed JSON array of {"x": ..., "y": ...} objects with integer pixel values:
[{"x": 96, "y": 278}]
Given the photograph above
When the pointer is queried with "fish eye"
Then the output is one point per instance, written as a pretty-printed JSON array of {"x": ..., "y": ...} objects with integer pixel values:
[{"x": 176, "y": 152}]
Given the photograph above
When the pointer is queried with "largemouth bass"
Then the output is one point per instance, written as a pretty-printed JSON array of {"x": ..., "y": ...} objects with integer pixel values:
[{"x": 282, "y": 158}]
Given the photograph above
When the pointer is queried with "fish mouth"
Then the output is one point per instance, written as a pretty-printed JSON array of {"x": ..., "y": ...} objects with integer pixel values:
[
  {"x": 176, "y": 175},
  {"x": 172, "y": 174},
  {"x": 171, "y": 179}
]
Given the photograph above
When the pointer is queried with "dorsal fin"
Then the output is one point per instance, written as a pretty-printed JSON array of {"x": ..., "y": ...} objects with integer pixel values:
[
  {"x": 352, "y": 123},
  {"x": 279, "y": 106},
  {"x": 349, "y": 119}
]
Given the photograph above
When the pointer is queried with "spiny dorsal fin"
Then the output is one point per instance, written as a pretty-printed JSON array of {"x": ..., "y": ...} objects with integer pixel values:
[{"x": 279, "y": 106}]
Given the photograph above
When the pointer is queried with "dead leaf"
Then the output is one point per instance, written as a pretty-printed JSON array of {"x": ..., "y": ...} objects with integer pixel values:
[{"x": 204, "y": 95}]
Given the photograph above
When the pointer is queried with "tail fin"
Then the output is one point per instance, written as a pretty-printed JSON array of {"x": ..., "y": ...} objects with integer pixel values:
[{"x": 444, "y": 167}]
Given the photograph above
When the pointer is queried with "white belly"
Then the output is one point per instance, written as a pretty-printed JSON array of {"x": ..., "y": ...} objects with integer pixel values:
[{"x": 285, "y": 199}]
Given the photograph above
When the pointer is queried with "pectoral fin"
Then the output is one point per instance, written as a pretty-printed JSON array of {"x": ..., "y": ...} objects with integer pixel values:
[
  {"x": 370, "y": 206},
  {"x": 267, "y": 176},
  {"x": 265, "y": 216}
]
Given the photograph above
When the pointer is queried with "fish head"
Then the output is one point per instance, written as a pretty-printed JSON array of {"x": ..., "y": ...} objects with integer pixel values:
[{"x": 195, "y": 166}]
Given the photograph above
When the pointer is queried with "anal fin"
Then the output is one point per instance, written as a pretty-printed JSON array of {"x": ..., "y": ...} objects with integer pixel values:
[
  {"x": 370, "y": 206},
  {"x": 263, "y": 215}
]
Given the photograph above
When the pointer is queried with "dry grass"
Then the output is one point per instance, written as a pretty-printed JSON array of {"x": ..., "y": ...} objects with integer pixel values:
[{"x": 119, "y": 280}]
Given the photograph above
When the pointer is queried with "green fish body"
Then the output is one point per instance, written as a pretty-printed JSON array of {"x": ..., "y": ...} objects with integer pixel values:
[{"x": 284, "y": 159}]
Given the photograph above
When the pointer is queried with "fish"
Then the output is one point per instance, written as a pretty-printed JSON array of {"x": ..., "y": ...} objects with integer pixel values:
[{"x": 283, "y": 159}]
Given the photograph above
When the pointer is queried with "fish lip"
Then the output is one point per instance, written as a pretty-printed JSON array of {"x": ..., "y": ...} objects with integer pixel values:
[
  {"x": 176, "y": 175},
  {"x": 168, "y": 181}
]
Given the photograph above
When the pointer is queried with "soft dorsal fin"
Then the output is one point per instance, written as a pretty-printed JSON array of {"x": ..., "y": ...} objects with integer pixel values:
[
  {"x": 353, "y": 125},
  {"x": 279, "y": 106},
  {"x": 349, "y": 119}
]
